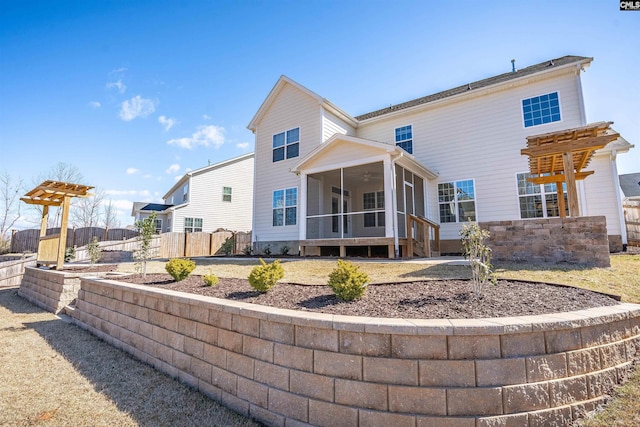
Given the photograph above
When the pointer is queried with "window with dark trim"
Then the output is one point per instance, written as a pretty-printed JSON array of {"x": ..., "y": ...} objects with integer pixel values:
[{"x": 286, "y": 145}]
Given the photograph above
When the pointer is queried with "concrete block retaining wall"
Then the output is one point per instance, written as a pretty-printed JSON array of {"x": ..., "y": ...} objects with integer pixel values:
[
  {"x": 287, "y": 368},
  {"x": 50, "y": 289},
  {"x": 580, "y": 240}
]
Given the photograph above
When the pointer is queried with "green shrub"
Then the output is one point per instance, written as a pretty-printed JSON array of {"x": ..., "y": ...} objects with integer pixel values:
[
  {"x": 210, "y": 279},
  {"x": 69, "y": 254},
  {"x": 247, "y": 250},
  {"x": 94, "y": 250},
  {"x": 347, "y": 282},
  {"x": 264, "y": 277},
  {"x": 479, "y": 256},
  {"x": 285, "y": 250},
  {"x": 227, "y": 246},
  {"x": 179, "y": 269}
]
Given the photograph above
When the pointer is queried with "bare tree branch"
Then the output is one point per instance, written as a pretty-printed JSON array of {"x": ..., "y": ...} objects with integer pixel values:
[
  {"x": 62, "y": 172},
  {"x": 86, "y": 212},
  {"x": 10, "y": 191},
  {"x": 110, "y": 215}
]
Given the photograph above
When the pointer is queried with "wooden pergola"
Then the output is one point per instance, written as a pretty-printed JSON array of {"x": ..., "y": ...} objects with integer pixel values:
[
  {"x": 53, "y": 193},
  {"x": 560, "y": 157}
]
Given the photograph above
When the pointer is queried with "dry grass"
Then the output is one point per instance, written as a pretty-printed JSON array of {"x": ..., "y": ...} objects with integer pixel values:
[{"x": 55, "y": 374}]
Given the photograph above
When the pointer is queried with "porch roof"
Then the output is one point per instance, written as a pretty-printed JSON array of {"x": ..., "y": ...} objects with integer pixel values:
[{"x": 395, "y": 153}]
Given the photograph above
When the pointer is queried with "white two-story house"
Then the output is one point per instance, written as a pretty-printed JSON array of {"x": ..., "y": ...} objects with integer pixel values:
[
  {"x": 329, "y": 183},
  {"x": 206, "y": 199}
]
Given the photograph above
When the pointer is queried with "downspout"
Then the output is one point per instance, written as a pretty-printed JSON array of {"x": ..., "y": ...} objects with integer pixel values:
[
  {"x": 253, "y": 211},
  {"x": 614, "y": 171}
]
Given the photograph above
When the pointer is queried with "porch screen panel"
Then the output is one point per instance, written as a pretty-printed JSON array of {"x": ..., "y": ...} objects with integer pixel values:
[{"x": 418, "y": 193}]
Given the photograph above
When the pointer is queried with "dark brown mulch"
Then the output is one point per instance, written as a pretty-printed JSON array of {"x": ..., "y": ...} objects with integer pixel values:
[{"x": 422, "y": 299}]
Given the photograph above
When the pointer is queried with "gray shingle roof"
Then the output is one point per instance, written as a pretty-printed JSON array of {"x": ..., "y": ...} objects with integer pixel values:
[
  {"x": 155, "y": 207},
  {"x": 476, "y": 85},
  {"x": 630, "y": 184}
]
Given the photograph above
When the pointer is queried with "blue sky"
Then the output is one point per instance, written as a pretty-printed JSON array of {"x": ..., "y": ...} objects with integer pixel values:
[{"x": 136, "y": 93}]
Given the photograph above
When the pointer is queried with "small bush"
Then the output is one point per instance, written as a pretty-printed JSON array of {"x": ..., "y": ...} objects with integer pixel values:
[
  {"x": 267, "y": 251},
  {"x": 69, "y": 254},
  {"x": 227, "y": 246},
  {"x": 264, "y": 277},
  {"x": 247, "y": 250},
  {"x": 479, "y": 256},
  {"x": 285, "y": 250},
  {"x": 94, "y": 250},
  {"x": 347, "y": 282},
  {"x": 210, "y": 279},
  {"x": 179, "y": 269}
]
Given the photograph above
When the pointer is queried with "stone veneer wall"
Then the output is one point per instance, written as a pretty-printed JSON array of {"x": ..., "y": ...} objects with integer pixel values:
[
  {"x": 289, "y": 368},
  {"x": 578, "y": 240},
  {"x": 50, "y": 289}
]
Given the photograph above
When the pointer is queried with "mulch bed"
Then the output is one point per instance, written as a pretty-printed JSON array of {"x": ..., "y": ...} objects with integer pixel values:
[{"x": 431, "y": 299}]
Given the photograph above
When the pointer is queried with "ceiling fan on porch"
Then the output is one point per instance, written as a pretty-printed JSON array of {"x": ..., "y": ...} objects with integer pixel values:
[{"x": 366, "y": 176}]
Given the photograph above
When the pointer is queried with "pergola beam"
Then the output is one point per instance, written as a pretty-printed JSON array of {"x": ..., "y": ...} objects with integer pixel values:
[
  {"x": 585, "y": 144},
  {"x": 558, "y": 178}
]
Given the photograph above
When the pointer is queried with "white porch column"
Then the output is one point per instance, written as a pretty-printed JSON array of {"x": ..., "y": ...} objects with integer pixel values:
[
  {"x": 302, "y": 206},
  {"x": 390, "y": 208}
]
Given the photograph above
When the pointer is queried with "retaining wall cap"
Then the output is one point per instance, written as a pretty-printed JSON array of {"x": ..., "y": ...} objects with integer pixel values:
[{"x": 483, "y": 326}]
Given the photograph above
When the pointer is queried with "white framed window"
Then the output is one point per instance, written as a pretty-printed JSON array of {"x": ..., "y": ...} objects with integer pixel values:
[
  {"x": 539, "y": 200},
  {"x": 286, "y": 145},
  {"x": 226, "y": 194},
  {"x": 373, "y": 201},
  {"x": 285, "y": 207},
  {"x": 185, "y": 193},
  {"x": 541, "y": 109},
  {"x": 158, "y": 225},
  {"x": 457, "y": 201},
  {"x": 404, "y": 138},
  {"x": 192, "y": 225}
]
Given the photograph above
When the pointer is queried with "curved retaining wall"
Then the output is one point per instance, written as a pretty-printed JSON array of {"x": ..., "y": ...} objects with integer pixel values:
[
  {"x": 50, "y": 289},
  {"x": 285, "y": 367}
]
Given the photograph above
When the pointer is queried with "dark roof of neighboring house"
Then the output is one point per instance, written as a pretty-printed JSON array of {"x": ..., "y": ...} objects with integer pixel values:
[
  {"x": 155, "y": 207},
  {"x": 476, "y": 85},
  {"x": 630, "y": 184}
]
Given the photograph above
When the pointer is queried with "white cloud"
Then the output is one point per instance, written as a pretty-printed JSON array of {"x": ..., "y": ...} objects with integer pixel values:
[
  {"x": 94, "y": 104},
  {"x": 131, "y": 171},
  {"x": 206, "y": 117},
  {"x": 147, "y": 176},
  {"x": 118, "y": 85},
  {"x": 205, "y": 135},
  {"x": 137, "y": 107},
  {"x": 242, "y": 145},
  {"x": 177, "y": 178},
  {"x": 173, "y": 168},
  {"x": 167, "y": 122}
]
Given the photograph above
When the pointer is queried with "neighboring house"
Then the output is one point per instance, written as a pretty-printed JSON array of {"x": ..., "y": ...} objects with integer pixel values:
[
  {"x": 330, "y": 183},
  {"x": 206, "y": 199},
  {"x": 630, "y": 185}
]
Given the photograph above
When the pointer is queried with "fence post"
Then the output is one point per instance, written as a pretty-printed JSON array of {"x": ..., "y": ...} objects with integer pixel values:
[{"x": 13, "y": 237}]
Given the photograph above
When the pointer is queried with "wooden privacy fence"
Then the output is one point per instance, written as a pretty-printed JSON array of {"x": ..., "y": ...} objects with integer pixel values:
[
  {"x": 27, "y": 240},
  {"x": 175, "y": 245},
  {"x": 11, "y": 271},
  {"x": 632, "y": 219},
  {"x": 129, "y": 245}
]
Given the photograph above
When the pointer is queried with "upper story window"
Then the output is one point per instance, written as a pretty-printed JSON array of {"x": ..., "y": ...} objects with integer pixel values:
[
  {"x": 404, "y": 138},
  {"x": 457, "y": 201},
  {"x": 541, "y": 109},
  {"x": 192, "y": 225},
  {"x": 286, "y": 145},
  {"x": 185, "y": 193},
  {"x": 285, "y": 207},
  {"x": 539, "y": 200},
  {"x": 226, "y": 194}
]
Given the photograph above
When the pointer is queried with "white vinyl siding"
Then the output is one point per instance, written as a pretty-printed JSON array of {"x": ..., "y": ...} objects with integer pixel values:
[
  {"x": 600, "y": 190},
  {"x": 479, "y": 137},
  {"x": 332, "y": 125},
  {"x": 292, "y": 108},
  {"x": 206, "y": 197}
]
